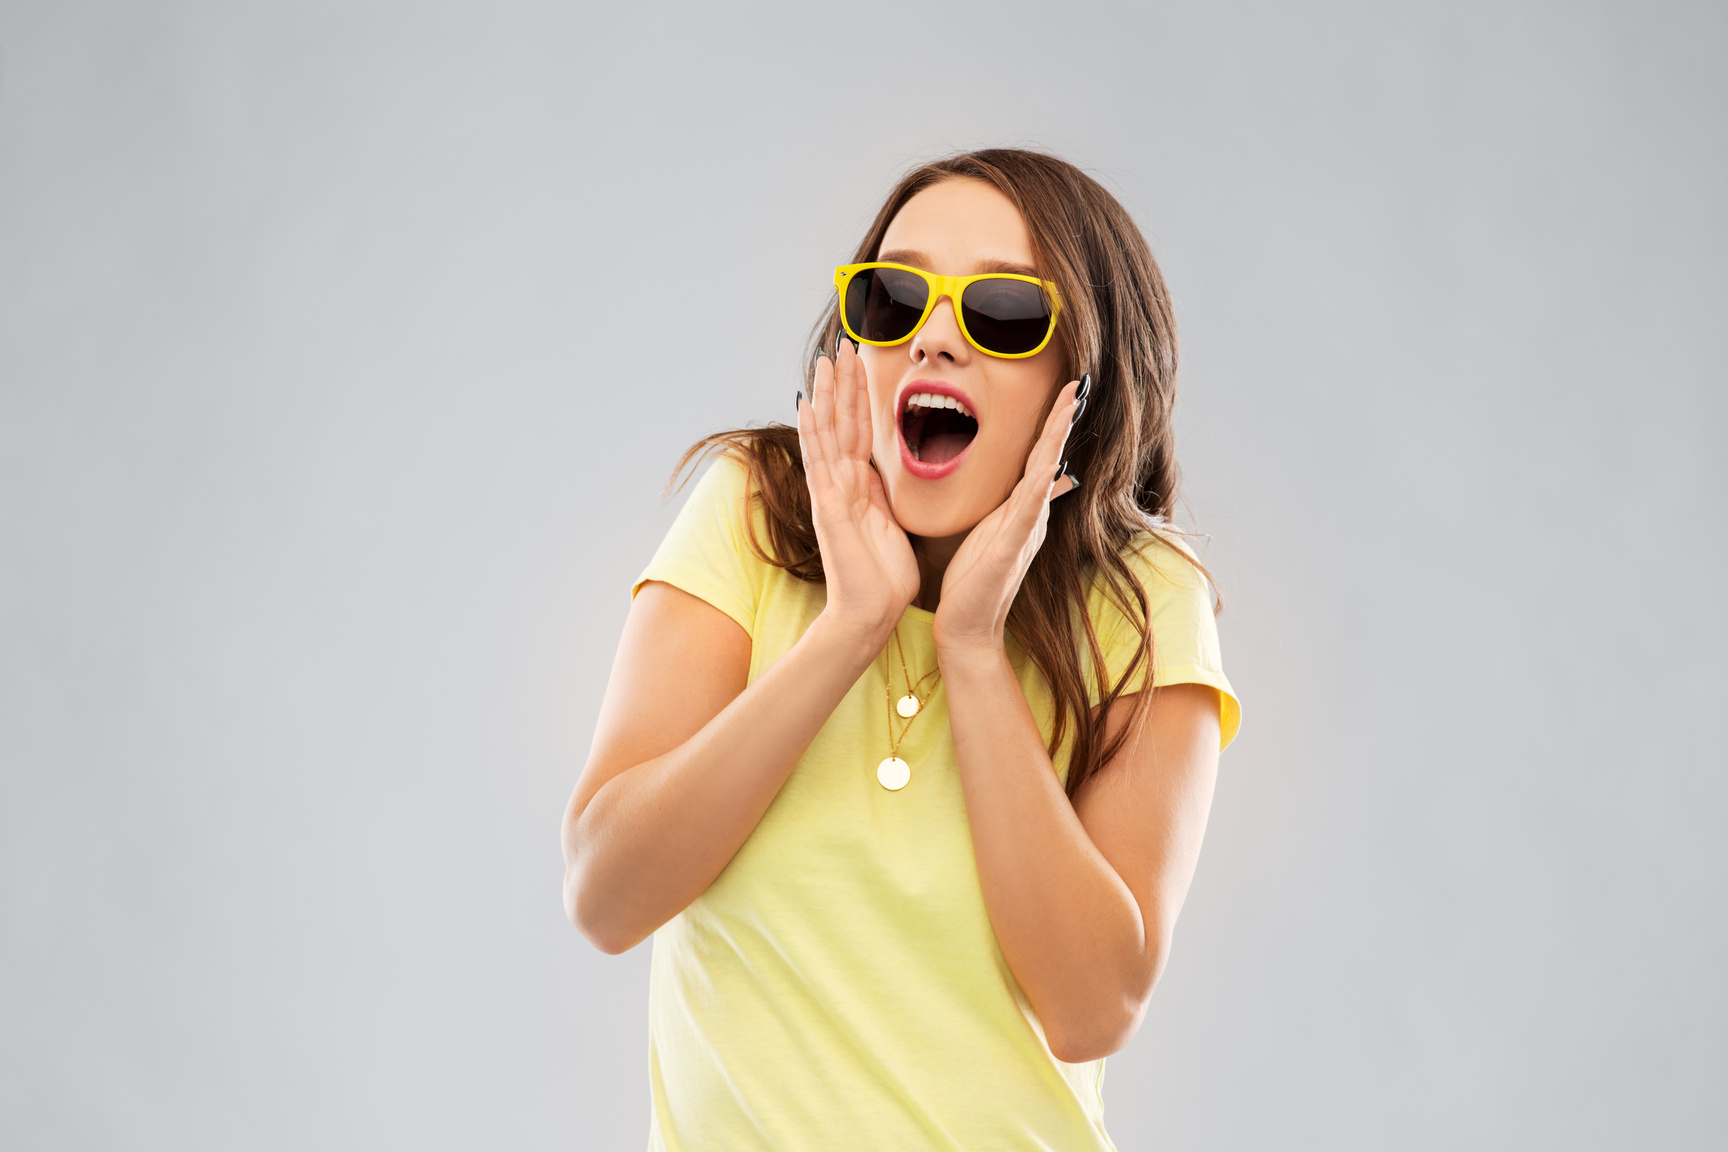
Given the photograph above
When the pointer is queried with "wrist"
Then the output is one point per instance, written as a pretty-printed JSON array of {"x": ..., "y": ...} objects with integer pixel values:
[
  {"x": 961, "y": 654},
  {"x": 851, "y": 637},
  {"x": 968, "y": 641}
]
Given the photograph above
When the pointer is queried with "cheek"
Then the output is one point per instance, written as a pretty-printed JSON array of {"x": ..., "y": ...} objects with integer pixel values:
[{"x": 1025, "y": 403}]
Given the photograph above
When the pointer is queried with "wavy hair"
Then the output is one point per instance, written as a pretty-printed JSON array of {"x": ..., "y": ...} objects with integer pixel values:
[{"x": 1117, "y": 324}]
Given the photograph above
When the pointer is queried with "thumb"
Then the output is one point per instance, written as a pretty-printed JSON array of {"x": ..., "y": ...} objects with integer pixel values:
[{"x": 879, "y": 495}]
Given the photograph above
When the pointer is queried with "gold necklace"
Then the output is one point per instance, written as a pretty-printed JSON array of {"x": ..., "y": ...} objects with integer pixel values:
[{"x": 894, "y": 773}]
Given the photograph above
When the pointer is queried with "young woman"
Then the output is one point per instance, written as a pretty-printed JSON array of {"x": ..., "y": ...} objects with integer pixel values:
[{"x": 911, "y": 737}]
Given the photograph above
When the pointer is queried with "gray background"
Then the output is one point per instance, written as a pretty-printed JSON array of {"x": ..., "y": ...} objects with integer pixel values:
[{"x": 343, "y": 353}]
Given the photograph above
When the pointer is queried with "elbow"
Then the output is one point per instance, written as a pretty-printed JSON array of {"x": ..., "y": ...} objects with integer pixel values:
[
  {"x": 587, "y": 915},
  {"x": 613, "y": 944},
  {"x": 586, "y": 905},
  {"x": 1094, "y": 1039},
  {"x": 1106, "y": 1028},
  {"x": 608, "y": 938}
]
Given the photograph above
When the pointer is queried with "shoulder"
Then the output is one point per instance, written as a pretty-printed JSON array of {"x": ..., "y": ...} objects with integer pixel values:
[
  {"x": 707, "y": 550},
  {"x": 1164, "y": 568},
  {"x": 724, "y": 475},
  {"x": 723, "y": 500},
  {"x": 1177, "y": 613},
  {"x": 1165, "y": 555}
]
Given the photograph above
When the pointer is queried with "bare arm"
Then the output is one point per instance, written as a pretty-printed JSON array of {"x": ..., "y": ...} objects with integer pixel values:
[
  {"x": 686, "y": 759},
  {"x": 1083, "y": 897}
]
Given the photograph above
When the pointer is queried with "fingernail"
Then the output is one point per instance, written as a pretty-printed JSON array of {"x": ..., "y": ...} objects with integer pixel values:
[
  {"x": 1074, "y": 479},
  {"x": 1060, "y": 468},
  {"x": 1078, "y": 408},
  {"x": 1085, "y": 387},
  {"x": 800, "y": 399}
]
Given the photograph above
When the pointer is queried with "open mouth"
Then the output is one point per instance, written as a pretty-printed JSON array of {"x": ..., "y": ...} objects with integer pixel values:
[{"x": 936, "y": 428}]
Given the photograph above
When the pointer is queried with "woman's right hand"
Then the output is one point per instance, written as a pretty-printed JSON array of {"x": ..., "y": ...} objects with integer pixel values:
[{"x": 867, "y": 559}]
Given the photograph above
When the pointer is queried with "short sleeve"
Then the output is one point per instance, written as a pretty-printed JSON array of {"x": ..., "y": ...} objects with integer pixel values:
[
  {"x": 707, "y": 551},
  {"x": 1184, "y": 631}
]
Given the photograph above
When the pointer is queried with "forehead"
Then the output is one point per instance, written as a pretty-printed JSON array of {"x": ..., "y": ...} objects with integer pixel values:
[{"x": 959, "y": 227}]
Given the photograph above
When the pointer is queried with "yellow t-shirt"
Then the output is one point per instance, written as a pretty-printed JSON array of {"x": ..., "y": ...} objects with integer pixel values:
[{"x": 838, "y": 986}]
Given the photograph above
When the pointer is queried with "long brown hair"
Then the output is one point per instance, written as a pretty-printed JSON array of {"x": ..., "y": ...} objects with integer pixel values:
[{"x": 1118, "y": 325}]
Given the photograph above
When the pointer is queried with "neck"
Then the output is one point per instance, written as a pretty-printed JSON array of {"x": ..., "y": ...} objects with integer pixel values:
[{"x": 933, "y": 554}]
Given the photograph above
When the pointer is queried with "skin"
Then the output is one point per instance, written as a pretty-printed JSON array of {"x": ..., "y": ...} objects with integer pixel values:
[
  {"x": 1083, "y": 896},
  {"x": 959, "y": 227}
]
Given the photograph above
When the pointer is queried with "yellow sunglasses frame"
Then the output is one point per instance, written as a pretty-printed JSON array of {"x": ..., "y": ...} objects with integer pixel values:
[{"x": 953, "y": 287}]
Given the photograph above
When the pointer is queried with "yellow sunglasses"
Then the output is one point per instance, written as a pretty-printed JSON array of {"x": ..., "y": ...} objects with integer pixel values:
[{"x": 1000, "y": 313}]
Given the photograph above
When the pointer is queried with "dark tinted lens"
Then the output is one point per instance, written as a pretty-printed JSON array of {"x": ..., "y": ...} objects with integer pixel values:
[
  {"x": 885, "y": 303},
  {"x": 1007, "y": 316}
]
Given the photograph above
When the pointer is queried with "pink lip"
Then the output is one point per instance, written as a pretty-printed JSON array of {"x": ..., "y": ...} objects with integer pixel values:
[{"x": 919, "y": 468}]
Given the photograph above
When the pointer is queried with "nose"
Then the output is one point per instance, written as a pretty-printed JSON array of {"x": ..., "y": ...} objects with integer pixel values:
[{"x": 940, "y": 338}]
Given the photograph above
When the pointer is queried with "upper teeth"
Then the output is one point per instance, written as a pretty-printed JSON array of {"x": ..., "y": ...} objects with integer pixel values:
[{"x": 932, "y": 400}]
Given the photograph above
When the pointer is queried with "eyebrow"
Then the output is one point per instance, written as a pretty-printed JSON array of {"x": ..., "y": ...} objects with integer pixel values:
[{"x": 919, "y": 260}]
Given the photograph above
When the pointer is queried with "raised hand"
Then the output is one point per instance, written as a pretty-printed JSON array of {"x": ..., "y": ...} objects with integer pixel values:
[
  {"x": 867, "y": 560},
  {"x": 986, "y": 571}
]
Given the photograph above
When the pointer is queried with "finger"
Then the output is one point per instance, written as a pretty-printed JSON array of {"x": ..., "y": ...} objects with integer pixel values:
[
  {"x": 1040, "y": 476},
  {"x": 864, "y": 427},
  {"x": 1030, "y": 500},
  {"x": 1063, "y": 413},
  {"x": 866, "y": 417},
  {"x": 822, "y": 408},
  {"x": 809, "y": 436},
  {"x": 806, "y": 433},
  {"x": 846, "y": 370}
]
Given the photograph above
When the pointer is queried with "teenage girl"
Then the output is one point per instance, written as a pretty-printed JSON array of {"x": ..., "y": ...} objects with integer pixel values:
[{"x": 911, "y": 736}]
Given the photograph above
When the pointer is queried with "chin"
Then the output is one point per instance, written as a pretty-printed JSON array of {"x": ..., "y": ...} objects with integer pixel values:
[
  {"x": 934, "y": 515},
  {"x": 938, "y": 526}
]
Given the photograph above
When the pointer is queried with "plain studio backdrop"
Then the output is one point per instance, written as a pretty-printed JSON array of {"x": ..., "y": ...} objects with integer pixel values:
[{"x": 345, "y": 349}]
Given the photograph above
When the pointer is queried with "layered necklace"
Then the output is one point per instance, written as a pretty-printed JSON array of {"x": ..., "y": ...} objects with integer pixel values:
[{"x": 894, "y": 773}]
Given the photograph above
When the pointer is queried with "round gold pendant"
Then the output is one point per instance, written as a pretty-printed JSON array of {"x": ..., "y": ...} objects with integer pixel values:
[
  {"x": 908, "y": 706},
  {"x": 893, "y": 773}
]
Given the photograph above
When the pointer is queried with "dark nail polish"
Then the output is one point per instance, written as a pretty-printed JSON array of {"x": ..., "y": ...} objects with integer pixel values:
[
  {"x": 1074, "y": 479},
  {"x": 800, "y": 399},
  {"x": 1078, "y": 408},
  {"x": 1085, "y": 387},
  {"x": 1060, "y": 468}
]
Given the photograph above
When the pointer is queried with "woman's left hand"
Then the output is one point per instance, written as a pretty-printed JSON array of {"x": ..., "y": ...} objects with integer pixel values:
[{"x": 985, "y": 574}]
